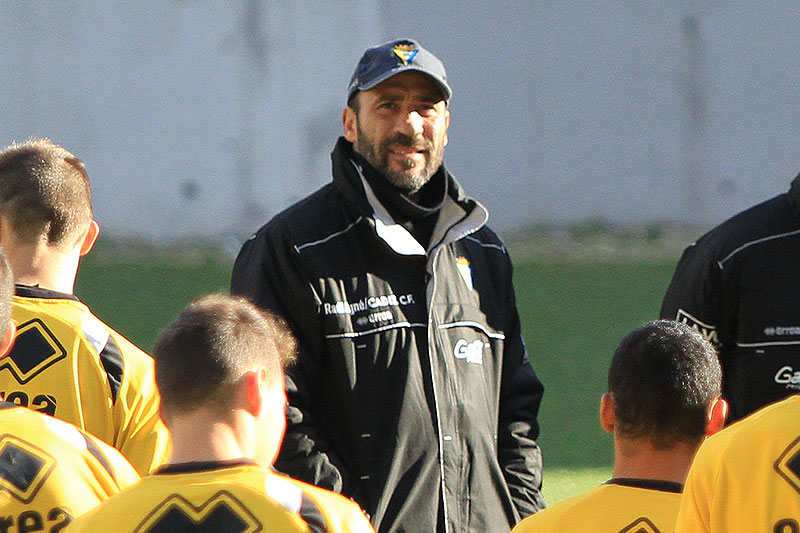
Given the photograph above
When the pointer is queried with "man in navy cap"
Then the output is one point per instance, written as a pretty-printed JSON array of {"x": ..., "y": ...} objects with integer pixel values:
[{"x": 413, "y": 393}]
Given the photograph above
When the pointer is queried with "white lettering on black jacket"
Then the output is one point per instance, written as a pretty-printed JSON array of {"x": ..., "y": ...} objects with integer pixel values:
[{"x": 413, "y": 393}]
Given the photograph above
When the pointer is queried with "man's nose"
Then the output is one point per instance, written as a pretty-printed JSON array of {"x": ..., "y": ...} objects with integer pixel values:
[{"x": 412, "y": 123}]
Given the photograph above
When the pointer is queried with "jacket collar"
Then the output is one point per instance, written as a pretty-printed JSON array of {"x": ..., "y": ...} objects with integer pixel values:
[
  {"x": 652, "y": 484},
  {"x": 395, "y": 235},
  {"x": 203, "y": 466},
  {"x": 459, "y": 216},
  {"x": 34, "y": 291},
  {"x": 346, "y": 180}
]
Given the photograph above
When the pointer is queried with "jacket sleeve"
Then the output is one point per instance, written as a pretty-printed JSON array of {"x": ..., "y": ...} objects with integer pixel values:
[
  {"x": 521, "y": 392},
  {"x": 693, "y": 295},
  {"x": 269, "y": 275}
]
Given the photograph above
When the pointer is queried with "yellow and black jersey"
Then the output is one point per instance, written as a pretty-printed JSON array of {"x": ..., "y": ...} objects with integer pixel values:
[
  {"x": 618, "y": 506},
  {"x": 50, "y": 471},
  {"x": 220, "y": 496},
  {"x": 65, "y": 362},
  {"x": 747, "y": 476},
  {"x": 341, "y": 514}
]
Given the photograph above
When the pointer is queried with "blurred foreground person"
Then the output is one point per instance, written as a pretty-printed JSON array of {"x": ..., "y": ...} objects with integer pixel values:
[
  {"x": 747, "y": 477},
  {"x": 65, "y": 361},
  {"x": 663, "y": 398},
  {"x": 219, "y": 369},
  {"x": 50, "y": 471}
]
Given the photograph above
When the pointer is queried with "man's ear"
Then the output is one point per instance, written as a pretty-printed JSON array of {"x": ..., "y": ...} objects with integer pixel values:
[
  {"x": 350, "y": 124},
  {"x": 608, "y": 420},
  {"x": 8, "y": 340},
  {"x": 446, "y": 126},
  {"x": 91, "y": 237},
  {"x": 717, "y": 414},
  {"x": 5, "y": 229},
  {"x": 253, "y": 384}
]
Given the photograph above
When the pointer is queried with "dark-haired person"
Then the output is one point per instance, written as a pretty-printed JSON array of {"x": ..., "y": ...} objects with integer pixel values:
[
  {"x": 738, "y": 286},
  {"x": 50, "y": 471},
  {"x": 219, "y": 369},
  {"x": 413, "y": 393},
  {"x": 65, "y": 361},
  {"x": 663, "y": 399}
]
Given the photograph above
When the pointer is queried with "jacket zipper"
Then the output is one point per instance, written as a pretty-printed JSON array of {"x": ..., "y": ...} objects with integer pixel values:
[{"x": 431, "y": 345}]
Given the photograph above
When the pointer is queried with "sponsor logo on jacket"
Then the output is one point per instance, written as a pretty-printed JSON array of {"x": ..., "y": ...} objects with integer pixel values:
[
  {"x": 708, "y": 331},
  {"x": 781, "y": 330},
  {"x": 367, "y": 303},
  {"x": 472, "y": 352},
  {"x": 788, "y": 376}
]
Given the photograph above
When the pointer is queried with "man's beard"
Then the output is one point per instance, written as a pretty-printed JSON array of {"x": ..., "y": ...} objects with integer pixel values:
[{"x": 411, "y": 179}]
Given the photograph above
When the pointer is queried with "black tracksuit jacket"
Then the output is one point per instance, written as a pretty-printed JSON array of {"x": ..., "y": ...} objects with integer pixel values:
[
  {"x": 413, "y": 393},
  {"x": 739, "y": 285}
]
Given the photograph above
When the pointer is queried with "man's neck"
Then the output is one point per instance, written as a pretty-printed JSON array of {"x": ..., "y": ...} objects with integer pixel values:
[
  {"x": 44, "y": 266},
  {"x": 639, "y": 459},
  {"x": 197, "y": 436}
]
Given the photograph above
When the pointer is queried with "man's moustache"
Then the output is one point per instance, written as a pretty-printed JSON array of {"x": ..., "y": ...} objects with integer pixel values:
[{"x": 406, "y": 141}]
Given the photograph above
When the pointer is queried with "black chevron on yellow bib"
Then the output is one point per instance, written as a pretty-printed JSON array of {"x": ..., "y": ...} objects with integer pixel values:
[
  {"x": 222, "y": 513},
  {"x": 619, "y": 506},
  {"x": 788, "y": 464},
  {"x": 69, "y": 364},
  {"x": 23, "y": 467},
  {"x": 51, "y": 471},
  {"x": 223, "y": 496},
  {"x": 35, "y": 349},
  {"x": 642, "y": 525}
]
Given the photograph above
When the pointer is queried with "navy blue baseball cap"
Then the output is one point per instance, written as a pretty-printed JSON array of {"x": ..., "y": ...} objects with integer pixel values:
[{"x": 381, "y": 62}]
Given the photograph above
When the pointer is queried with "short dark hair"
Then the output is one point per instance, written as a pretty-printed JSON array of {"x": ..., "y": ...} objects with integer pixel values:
[
  {"x": 212, "y": 343},
  {"x": 44, "y": 192},
  {"x": 6, "y": 292},
  {"x": 353, "y": 102},
  {"x": 664, "y": 376}
]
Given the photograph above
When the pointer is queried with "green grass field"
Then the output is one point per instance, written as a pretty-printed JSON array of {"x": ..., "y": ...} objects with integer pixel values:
[
  {"x": 573, "y": 315},
  {"x": 573, "y": 312}
]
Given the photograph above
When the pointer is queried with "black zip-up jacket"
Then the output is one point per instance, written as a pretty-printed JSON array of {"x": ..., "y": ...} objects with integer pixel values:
[
  {"x": 739, "y": 285},
  {"x": 413, "y": 393}
]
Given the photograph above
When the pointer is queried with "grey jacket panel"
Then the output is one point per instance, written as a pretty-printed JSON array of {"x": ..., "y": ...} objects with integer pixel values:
[{"x": 413, "y": 393}]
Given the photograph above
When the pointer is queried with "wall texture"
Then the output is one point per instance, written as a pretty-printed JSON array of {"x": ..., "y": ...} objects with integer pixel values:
[{"x": 201, "y": 117}]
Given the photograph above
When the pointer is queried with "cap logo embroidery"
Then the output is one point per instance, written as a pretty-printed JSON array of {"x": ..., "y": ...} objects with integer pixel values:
[{"x": 406, "y": 52}]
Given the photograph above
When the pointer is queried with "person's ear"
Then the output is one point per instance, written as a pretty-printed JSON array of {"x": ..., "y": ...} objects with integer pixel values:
[
  {"x": 717, "y": 415},
  {"x": 5, "y": 229},
  {"x": 608, "y": 419},
  {"x": 350, "y": 124},
  {"x": 8, "y": 340},
  {"x": 254, "y": 384},
  {"x": 91, "y": 237},
  {"x": 446, "y": 126}
]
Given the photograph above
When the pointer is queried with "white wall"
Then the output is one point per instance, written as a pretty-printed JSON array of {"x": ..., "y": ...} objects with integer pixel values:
[
  {"x": 194, "y": 117},
  {"x": 204, "y": 117},
  {"x": 566, "y": 110}
]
